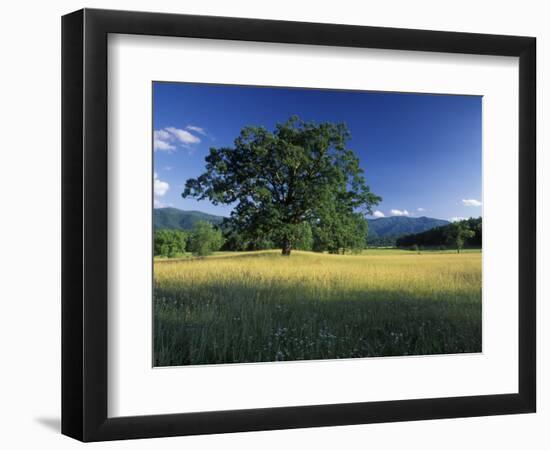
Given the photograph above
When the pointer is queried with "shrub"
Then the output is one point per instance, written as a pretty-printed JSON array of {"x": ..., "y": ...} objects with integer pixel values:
[
  {"x": 204, "y": 239},
  {"x": 169, "y": 243}
]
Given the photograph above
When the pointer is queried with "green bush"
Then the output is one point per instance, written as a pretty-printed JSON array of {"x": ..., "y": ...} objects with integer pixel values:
[
  {"x": 170, "y": 243},
  {"x": 204, "y": 239}
]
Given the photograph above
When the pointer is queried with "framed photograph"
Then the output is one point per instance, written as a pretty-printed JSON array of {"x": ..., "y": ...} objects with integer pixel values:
[{"x": 273, "y": 224}]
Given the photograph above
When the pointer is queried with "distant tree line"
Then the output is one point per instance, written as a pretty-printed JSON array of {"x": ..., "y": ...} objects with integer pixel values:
[
  {"x": 381, "y": 241},
  {"x": 202, "y": 240},
  {"x": 345, "y": 236},
  {"x": 457, "y": 235}
]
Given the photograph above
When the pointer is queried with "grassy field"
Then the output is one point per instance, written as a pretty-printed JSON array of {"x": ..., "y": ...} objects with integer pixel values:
[{"x": 260, "y": 306}]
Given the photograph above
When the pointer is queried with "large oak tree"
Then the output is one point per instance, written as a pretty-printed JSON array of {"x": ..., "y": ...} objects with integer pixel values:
[{"x": 302, "y": 172}]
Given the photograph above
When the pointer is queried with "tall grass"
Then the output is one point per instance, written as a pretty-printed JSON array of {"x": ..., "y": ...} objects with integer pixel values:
[{"x": 264, "y": 307}]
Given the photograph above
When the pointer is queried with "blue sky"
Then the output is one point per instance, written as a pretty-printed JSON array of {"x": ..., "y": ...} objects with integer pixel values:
[{"x": 421, "y": 153}]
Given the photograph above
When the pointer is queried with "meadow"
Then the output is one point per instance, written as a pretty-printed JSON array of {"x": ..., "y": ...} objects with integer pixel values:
[{"x": 260, "y": 306}]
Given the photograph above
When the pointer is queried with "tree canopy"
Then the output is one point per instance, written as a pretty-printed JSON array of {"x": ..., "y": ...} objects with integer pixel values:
[{"x": 301, "y": 173}]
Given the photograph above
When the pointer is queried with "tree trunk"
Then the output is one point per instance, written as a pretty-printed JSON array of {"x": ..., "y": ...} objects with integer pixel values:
[{"x": 287, "y": 247}]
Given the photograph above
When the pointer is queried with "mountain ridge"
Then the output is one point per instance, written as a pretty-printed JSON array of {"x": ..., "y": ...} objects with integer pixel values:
[
  {"x": 400, "y": 225},
  {"x": 383, "y": 227},
  {"x": 177, "y": 219}
]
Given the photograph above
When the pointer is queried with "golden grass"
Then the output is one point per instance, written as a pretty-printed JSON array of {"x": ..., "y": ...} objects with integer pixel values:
[{"x": 260, "y": 306}]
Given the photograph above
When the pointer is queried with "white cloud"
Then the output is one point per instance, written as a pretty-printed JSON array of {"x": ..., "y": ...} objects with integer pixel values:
[
  {"x": 196, "y": 129},
  {"x": 162, "y": 145},
  {"x": 162, "y": 135},
  {"x": 421, "y": 209},
  {"x": 161, "y": 141},
  {"x": 458, "y": 219},
  {"x": 183, "y": 135},
  {"x": 399, "y": 212},
  {"x": 160, "y": 187},
  {"x": 470, "y": 202},
  {"x": 168, "y": 138},
  {"x": 378, "y": 214}
]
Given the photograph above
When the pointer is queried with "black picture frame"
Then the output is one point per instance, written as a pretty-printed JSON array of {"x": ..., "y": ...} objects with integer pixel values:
[{"x": 84, "y": 224}]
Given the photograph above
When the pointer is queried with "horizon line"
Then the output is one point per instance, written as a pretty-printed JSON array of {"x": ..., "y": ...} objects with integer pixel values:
[{"x": 366, "y": 217}]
